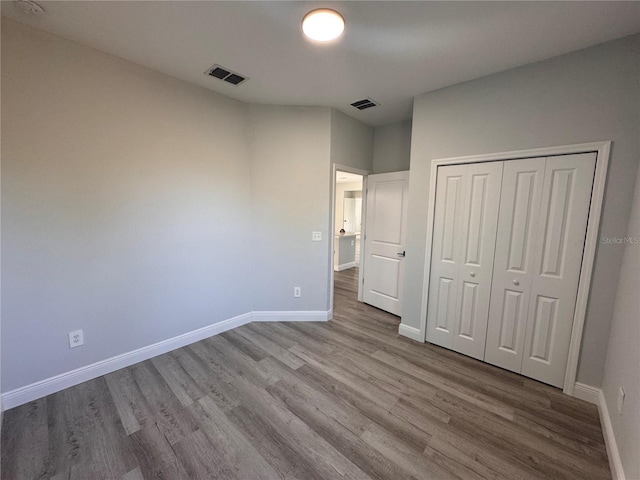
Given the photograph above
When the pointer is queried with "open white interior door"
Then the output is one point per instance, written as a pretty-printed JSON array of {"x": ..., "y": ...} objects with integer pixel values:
[{"x": 386, "y": 227}]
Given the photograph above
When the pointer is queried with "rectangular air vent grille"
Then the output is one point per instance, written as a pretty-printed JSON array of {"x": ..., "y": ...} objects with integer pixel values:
[
  {"x": 226, "y": 75},
  {"x": 364, "y": 104}
]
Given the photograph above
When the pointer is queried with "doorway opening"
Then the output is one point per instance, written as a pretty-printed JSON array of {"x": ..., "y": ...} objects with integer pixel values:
[{"x": 347, "y": 227}]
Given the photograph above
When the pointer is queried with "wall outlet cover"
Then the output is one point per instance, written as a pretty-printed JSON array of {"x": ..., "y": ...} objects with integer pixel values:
[
  {"x": 76, "y": 338},
  {"x": 297, "y": 292},
  {"x": 316, "y": 236}
]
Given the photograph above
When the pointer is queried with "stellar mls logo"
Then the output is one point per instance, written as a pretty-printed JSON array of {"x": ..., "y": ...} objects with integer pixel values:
[{"x": 621, "y": 240}]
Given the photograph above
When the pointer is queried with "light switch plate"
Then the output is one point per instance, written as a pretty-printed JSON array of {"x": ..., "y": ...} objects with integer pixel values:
[{"x": 316, "y": 236}]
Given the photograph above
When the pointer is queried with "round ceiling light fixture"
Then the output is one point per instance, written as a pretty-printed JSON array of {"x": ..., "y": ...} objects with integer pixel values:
[
  {"x": 30, "y": 7},
  {"x": 323, "y": 25}
]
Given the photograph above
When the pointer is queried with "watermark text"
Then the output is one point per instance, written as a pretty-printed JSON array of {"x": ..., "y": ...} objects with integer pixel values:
[{"x": 632, "y": 240}]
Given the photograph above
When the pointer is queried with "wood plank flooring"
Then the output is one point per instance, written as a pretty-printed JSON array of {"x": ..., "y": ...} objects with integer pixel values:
[{"x": 346, "y": 399}]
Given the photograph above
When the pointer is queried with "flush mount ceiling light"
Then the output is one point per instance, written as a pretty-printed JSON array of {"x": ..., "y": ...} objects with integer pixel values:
[
  {"x": 323, "y": 25},
  {"x": 32, "y": 8}
]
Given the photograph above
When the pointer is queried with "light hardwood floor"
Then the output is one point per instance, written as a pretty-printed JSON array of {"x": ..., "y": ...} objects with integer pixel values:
[{"x": 343, "y": 399}]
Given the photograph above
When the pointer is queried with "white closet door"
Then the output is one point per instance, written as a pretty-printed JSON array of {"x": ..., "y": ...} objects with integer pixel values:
[
  {"x": 561, "y": 231},
  {"x": 446, "y": 253},
  {"x": 466, "y": 214},
  {"x": 479, "y": 225},
  {"x": 514, "y": 261}
]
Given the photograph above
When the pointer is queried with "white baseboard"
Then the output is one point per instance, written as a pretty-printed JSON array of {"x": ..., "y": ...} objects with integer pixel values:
[
  {"x": 596, "y": 396},
  {"x": 302, "y": 316},
  {"x": 45, "y": 387},
  {"x": 587, "y": 393},
  {"x": 410, "y": 332},
  {"x": 345, "y": 266},
  {"x": 615, "y": 462}
]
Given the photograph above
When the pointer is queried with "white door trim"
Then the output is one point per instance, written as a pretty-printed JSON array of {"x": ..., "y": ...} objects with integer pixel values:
[
  {"x": 332, "y": 219},
  {"x": 602, "y": 150}
]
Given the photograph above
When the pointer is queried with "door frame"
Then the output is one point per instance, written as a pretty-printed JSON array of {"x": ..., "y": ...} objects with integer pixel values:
[
  {"x": 332, "y": 236},
  {"x": 602, "y": 150}
]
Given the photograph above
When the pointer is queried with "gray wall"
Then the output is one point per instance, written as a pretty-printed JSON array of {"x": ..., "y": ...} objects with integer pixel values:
[
  {"x": 290, "y": 184},
  {"x": 125, "y": 206},
  {"x": 1, "y": 405},
  {"x": 585, "y": 96},
  {"x": 351, "y": 142},
  {"x": 138, "y": 207},
  {"x": 392, "y": 147},
  {"x": 623, "y": 357},
  {"x": 347, "y": 250}
]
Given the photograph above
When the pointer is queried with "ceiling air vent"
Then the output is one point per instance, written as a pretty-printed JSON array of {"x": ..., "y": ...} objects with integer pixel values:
[
  {"x": 225, "y": 74},
  {"x": 364, "y": 104}
]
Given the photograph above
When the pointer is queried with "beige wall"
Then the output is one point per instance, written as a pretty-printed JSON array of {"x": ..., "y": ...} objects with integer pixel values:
[
  {"x": 585, "y": 96},
  {"x": 392, "y": 147}
]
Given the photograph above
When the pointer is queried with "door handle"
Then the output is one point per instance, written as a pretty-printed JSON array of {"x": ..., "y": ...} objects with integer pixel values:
[{"x": 402, "y": 253}]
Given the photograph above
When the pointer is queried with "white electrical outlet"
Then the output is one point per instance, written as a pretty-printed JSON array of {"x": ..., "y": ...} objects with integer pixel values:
[
  {"x": 297, "y": 292},
  {"x": 76, "y": 338},
  {"x": 316, "y": 236},
  {"x": 620, "y": 400}
]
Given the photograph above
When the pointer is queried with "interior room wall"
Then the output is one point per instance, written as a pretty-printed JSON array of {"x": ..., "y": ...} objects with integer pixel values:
[
  {"x": 290, "y": 184},
  {"x": 623, "y": 357},
  {"x": 585, "y": 96},
  {"x": 138, "y": 207},
  {"x": 125, "y": 206},
  {"x": 340, "y": 189},
  {"x": 1, "y": 403},
  {"x": 392, "y": 147},
  {"x": 351, "y": 142}
]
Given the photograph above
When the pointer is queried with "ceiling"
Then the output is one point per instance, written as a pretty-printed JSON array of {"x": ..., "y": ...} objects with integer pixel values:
[
  {"x": 390, "y": 51},
  {"x": 346, "y": 177}
]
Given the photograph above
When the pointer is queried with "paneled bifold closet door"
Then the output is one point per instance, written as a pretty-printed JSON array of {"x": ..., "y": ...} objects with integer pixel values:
[
  {"x": 508, "y": 239},
  {"x": 466, "y": 216},
  {"x": 560, "y": 238},
  {"x": 514, "y": 259},
  {"x": 445, "y": 255}
]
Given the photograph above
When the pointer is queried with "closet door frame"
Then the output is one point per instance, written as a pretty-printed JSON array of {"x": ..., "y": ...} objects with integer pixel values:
[{"x": 602, "y": 150}]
